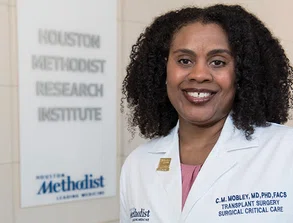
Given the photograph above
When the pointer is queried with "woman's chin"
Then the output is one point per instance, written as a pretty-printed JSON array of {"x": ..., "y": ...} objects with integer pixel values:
[{"x": 204, "y": 119}]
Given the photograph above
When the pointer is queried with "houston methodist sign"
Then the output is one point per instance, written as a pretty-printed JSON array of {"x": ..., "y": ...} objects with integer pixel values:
[{"x": 67, "y": 100}]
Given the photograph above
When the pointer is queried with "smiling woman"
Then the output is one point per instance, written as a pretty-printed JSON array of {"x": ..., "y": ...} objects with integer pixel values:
[
  {"x": 200, "y": 75},
  {"x": 209, "y": 87}
]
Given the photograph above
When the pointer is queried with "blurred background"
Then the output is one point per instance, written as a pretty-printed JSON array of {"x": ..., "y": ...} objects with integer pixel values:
[{"x": 132, "y": 17}]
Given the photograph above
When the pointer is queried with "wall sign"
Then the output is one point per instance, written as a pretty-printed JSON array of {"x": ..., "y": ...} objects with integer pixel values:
[{"x": 67, "y": 100}]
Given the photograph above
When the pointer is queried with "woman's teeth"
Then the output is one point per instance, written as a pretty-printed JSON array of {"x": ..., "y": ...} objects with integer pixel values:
[{"x": 199, "y": 94}]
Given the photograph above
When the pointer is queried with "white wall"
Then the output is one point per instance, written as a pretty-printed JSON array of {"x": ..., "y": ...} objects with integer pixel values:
[{"x": 133, "y": 16}]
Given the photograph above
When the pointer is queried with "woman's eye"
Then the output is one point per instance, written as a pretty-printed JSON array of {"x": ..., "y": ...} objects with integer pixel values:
[
  {"x": 185, "y": 61},
  {"x": 218, "y": 63}
]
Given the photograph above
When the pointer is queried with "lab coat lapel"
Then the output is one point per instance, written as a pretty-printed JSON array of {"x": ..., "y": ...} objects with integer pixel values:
[
  {"x": 221, "y": 160},
  {"x": 171, "y": 180}
]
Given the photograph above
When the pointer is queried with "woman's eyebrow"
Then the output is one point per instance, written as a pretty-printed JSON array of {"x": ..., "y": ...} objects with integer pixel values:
[
  {"x": 219, "y": 51},
  {"x": 187, "y": 51}
]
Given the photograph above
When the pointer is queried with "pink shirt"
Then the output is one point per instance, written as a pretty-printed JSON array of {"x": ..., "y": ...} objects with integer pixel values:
[{"x": 189, "y": 173}]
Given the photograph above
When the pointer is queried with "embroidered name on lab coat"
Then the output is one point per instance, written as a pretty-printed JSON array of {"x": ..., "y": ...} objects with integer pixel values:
[{"x": 251, "y": 203}]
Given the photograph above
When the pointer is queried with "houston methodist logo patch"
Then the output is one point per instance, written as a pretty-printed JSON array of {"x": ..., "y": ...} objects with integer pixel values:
[{"x": 139, "y": 215}]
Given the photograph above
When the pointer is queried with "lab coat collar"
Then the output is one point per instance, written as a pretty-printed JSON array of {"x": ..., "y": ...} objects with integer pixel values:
[
  {"x": 231, "y": 138},
  {"x": 222, "y": 158},
  {"x": 162, "y": 145},
  {"x": 225, "y": 156}
]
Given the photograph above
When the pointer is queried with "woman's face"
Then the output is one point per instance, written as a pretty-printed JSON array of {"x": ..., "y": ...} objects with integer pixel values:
[{"x": 200, "y": 74}]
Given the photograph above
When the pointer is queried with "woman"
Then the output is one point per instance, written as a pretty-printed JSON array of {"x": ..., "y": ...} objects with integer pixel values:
[{"x": 210, "y": 87}]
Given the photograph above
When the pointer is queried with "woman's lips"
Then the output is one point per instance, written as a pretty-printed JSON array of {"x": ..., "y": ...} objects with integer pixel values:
[{"x": 198, "y": 96}]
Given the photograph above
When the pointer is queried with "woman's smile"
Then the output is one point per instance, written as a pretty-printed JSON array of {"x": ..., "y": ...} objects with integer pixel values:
[{"x": 198, "y": 96}]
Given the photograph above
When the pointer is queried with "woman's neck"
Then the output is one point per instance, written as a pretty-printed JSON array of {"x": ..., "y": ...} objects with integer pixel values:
[{"x": 196, "y": 142}]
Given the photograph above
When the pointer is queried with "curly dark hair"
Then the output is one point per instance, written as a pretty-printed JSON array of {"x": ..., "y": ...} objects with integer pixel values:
[{"x": 263, "y": 72}]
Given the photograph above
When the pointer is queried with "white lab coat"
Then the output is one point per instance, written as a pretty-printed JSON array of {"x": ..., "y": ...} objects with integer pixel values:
[{"x": 241, "y": 180}]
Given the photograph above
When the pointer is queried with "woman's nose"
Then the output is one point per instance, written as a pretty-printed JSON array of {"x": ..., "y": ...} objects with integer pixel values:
[{"x": 200, "y": 72}]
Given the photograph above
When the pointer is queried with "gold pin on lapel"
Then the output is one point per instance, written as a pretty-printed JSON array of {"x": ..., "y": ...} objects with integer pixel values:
[{"x": 164, "y": 164}]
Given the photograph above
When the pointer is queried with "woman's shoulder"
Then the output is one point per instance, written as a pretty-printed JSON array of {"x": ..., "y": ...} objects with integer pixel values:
[
  {"x": 276, "y": 136},
  {"x": 275, "y": 130},
  {"x": 151, "y": 146},
  {"x": 142, "y": 152}
]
